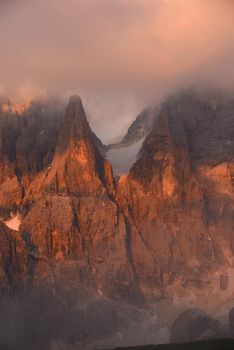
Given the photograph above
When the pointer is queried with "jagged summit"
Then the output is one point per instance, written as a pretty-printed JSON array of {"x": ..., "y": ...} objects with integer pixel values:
[
  {"x": 75, "y": 126},
  {"x": 123, "y": 154},
  {"x": 138, "y": 130},
  {"x": 165, "y": 228},
  {"x": 75, "y": 99},
  {"x": 77, "y": 166},
  {"x": 75, "y": 109}
]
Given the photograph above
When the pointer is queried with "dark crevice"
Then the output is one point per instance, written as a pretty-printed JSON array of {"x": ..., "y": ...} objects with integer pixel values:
[
  {"x": 32, "y": 256},
  {"x": 128, "y": 245}
]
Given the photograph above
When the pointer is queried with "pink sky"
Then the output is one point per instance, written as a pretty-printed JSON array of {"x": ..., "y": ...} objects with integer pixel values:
[
  {"x": 125, "y": 52},
  {"x": 75, "y": 44}
]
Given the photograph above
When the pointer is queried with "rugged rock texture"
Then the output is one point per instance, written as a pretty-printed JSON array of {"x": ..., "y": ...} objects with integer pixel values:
[
  {"x": 193, "y": 325},
  {"x": 35, "y": 145},
  {"x": 10, "y": 188},
  {"x": 138, "y": 130},
  {"x": 122, "y": 155},
  {"x": 180, "y": 192},
  {"x": 13, "y": 260},
  {"x": 78, "y": 168},
  {"x": 166, "y": 227},
  {"x": 73, "y": 221},
  {"x": 27, "y": 143},
  {"x": 231, "y": 321}
]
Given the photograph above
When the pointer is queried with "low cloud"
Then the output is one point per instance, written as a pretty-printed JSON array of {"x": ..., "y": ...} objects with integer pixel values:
[
  {"x": 142, "y": 48},
  {"x": 74, "y": 44}
]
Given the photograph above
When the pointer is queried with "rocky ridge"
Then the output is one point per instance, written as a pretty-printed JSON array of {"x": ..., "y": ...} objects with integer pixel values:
[
  {"x": 138, "y": 130},
  {"x": 166, "y": 227}
]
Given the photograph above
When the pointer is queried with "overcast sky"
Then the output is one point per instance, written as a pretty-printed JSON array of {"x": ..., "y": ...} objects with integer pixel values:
[{"x": 118, "y": 54}]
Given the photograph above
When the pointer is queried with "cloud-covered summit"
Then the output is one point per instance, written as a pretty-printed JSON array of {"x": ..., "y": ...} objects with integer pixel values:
[
  {"x": 99, "y": 43},
  {"x": 117, "y": 54}
]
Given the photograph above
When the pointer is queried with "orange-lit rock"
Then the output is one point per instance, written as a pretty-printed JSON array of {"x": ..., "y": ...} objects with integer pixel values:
[
  {"x": 19, "y": 108},
  {"x": 13, "y": 259},
  {"x": 166, "y": 227},
  {"x": 180, "y": 192}
]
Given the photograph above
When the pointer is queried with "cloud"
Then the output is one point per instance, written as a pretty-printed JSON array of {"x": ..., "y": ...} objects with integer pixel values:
[
  {"x": 75, "y": 43},
  {"x": 139, "y": 47}
]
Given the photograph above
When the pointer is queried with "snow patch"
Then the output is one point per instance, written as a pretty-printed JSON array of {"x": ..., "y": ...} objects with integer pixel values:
[
  {"x": 100, "y": 291},
  {"x": 14, "y": 222}
]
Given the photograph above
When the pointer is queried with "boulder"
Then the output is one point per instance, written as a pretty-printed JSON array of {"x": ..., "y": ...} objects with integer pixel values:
[
  {"x": 231, "y": 321},
  {"x": 195, "y": 324}
]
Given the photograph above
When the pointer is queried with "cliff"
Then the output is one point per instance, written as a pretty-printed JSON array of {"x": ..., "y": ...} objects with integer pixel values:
[{"x": 166, "y": 227}]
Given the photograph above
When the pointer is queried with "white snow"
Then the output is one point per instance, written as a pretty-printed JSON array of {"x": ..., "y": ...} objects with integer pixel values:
[
  {"x": 123, "y": 158},
  {"x": 99, "y": 291},
  {"x": 14, "y": 222}
]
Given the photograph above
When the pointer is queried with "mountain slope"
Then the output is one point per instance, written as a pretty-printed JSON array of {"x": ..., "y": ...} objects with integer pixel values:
[
  {"x": 167, "y": 226},
  {"x": 165, "y": 230},
  {"x": 27, "y": 143},
  {"x": 73, "y": 219},
  {"x": 180, "y": 192}
]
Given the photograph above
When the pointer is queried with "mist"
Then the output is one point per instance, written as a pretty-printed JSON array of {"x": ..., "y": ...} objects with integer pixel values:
[
  {"x": 118, "y": 55},
  {"x": 168, "y": 223}
]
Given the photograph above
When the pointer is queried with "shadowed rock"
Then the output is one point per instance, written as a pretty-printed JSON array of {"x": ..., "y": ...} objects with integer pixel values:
[
  {"x": 231, "y": 321},
  {"x": 166, "y": 227},
  {"x": 195, "y": 324}
]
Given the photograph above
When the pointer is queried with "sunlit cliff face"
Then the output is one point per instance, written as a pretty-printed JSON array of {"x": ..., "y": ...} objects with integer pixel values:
[
  {"x": 18, "y": 107},
  {"x": 137, "y": 44},
  {"x": 20, "y": 101},
  {"x": 143, "y": 50}
]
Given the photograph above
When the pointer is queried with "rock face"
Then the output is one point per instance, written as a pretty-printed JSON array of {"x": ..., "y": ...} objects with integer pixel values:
[
  {"x": 166, "y": 227},
  {"x": 180, "y": 192},
  {"x": 10, "y": 188},
  {"x": 231, "y": 321},
  {"x": 193, "y": 325},
  {"x": 123, "y": 154},
  {"x": 74, "y": 222},
  {"x": 13, "y": 259},
  {"x": 138, "y": 130},
  {"x": 27, "y": 143}
]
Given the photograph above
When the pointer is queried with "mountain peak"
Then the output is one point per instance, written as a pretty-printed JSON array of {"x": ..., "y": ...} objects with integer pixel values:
[
  {"x": 75, "y": 106},
  {"x": 75, "y": 99},
  {"x": 75, "y": 109},
  {"x": 75, "y": 126},
  {"x": 78, "y": 166}
]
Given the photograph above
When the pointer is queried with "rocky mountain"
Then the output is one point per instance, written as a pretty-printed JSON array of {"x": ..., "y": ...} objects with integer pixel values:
[
  {"x": 123, "y": 154},
  {"x": 163, "y": 229},
  {"x": 194, "y": 325},
  {"x": 138, "y": 130},
  {"x": 27, "y": 143},
  {"x": 186, "y": 160},
  {"x": 183, "y": 184},
  {"x": 12, "y": 260}
]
